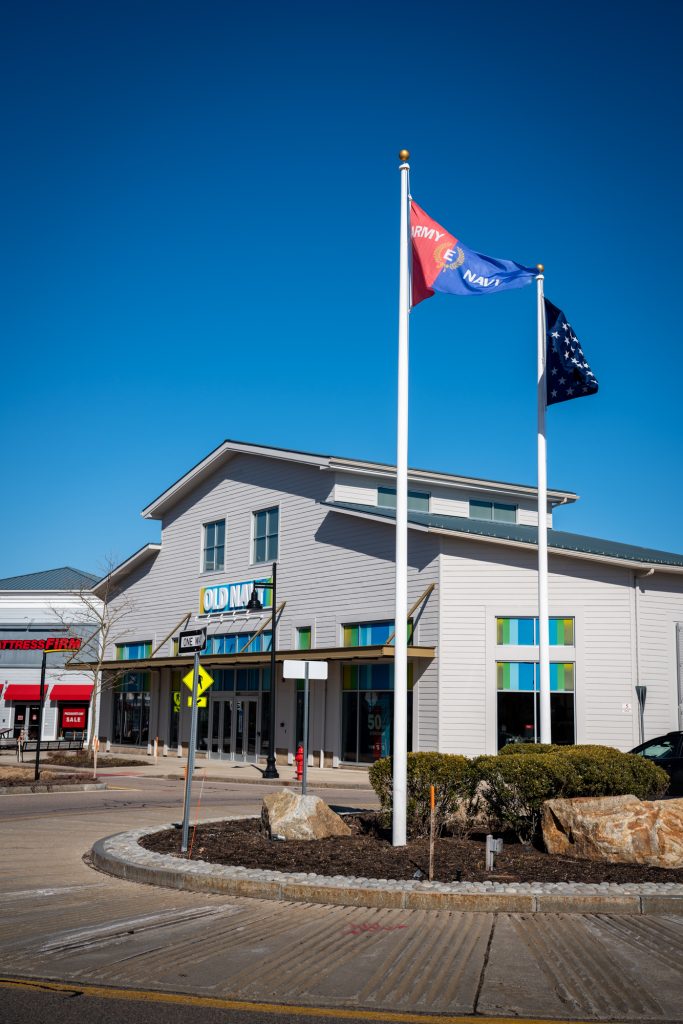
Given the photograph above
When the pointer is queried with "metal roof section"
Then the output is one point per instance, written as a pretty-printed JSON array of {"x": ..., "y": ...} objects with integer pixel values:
[
  {"x": 65, "y": 578},
  {"x": 228, "y": 449},
  {"x": 573, "y": 544},
  {"x": 132, "y": 562}
]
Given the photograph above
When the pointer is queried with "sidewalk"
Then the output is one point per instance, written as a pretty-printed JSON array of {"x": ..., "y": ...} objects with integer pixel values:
[{"x": 173, "y": 767}]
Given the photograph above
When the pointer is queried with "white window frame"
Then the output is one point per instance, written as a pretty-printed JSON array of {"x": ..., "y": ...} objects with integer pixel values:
[
  {"x": 202, "y": 545},
  {"x": 252, "y": 541}
]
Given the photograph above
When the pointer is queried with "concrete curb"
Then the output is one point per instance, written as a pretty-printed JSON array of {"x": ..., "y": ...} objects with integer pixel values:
[
  {"x": 228, "y": 780},
  {"x": 122, "y": 855},
  {"x": 47, "y": 787}
]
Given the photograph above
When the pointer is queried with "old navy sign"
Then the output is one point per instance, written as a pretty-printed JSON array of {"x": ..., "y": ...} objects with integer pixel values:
[{"x": 232, "y": 597}]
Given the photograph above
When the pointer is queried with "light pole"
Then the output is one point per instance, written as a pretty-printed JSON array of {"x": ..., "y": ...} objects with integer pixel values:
[{"x": 254, "y": 605}]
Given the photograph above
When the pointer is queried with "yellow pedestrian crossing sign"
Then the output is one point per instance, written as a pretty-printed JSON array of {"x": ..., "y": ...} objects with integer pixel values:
[{"x": 204, "y": 682}]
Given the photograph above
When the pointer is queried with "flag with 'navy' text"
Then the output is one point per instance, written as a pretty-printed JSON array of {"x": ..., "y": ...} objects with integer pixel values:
[
  {"x": 441, "y": 263},
  {"x": 567, "y": 372}
]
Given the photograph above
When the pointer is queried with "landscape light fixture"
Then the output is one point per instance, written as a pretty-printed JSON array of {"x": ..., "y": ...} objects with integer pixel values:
[{"x": 255, "y": 605}]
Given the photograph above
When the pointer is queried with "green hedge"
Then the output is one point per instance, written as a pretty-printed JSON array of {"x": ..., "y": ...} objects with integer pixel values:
[
  {"x": 516, "y": 787},
  {"x": 507, "y": 790},
  {"x": 448, "y": 773}
]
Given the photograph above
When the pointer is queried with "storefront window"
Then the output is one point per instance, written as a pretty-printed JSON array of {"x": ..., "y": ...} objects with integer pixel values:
[
  {"x": 518, "y": 702},
  {"x": 367, "y": 712},
  {"x": 174, "y": 723},
  {"x": 131, "y": 709}
]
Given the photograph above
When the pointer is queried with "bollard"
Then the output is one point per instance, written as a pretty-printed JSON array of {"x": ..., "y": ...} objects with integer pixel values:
[
  {"x": 156, "y": 748},
  {"x": 493, "y": 847},
  {"x": 108, "y": 747},
  {"x": 180, "y": 750},
  {"x": 165, "y": 754}
]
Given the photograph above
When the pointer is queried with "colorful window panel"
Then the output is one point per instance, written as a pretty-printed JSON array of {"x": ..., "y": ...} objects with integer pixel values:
[
  {"x": 371, "y": 634},
  {"x": 524, "y": 676},
  {"x": 524, "y": 632},
  {"x": 303, "y": 638},
  {"x": 132, "y": 652}
]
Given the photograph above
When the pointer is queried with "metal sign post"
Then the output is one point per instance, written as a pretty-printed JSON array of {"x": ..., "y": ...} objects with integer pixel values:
[
  {"x": 190, "y": 754},
  {"x": 43, "y": 663},
  {"x": 306, "y": 670},
  {"x": 192, "y": 640}
]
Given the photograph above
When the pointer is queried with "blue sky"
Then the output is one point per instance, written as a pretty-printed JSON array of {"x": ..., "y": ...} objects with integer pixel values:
[{"x": 200, "y": 241}]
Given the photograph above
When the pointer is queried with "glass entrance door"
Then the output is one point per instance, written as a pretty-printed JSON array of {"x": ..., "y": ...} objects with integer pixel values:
[{"x": 234, "y": 733}]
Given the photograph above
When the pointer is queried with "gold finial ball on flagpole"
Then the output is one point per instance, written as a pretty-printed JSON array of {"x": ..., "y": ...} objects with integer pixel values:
[
  {"x": 540, "y": 268},
  {"x": 404, "y": 155}
]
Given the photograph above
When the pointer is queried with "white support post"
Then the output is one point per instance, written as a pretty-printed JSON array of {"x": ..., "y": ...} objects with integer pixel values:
[
  {"x": 543, "y": 634},
  {"x": 400, "y": 753}
]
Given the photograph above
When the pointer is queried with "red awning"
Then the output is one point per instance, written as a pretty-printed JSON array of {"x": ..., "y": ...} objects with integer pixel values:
[
  {"x": 23, "y": 691},
  {"x": 71, "y": 692}
]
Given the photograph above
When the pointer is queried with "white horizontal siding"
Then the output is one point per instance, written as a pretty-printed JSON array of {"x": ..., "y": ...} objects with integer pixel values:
[{"x": 480, "y": 584}]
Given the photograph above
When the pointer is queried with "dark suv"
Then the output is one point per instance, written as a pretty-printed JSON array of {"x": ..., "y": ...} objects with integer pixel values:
[{"x": 667, "y": 752}]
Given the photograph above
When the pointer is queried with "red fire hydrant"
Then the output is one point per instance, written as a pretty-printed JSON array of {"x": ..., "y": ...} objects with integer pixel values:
[{"x": 299, "y": 762}]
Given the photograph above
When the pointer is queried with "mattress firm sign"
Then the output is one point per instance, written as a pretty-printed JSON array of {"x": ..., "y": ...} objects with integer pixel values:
[{"x": 232, "y": 597}]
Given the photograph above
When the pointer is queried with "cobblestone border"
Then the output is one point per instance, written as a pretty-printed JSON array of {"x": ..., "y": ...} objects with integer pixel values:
[
  {"x": 122, "y": 855},
  {"x": 48, "y": 787}
]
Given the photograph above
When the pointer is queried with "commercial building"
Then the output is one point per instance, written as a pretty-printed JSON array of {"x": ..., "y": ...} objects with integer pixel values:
[
  {"x": 616, "y": 614},
  {"x": 36, "y": 607}
]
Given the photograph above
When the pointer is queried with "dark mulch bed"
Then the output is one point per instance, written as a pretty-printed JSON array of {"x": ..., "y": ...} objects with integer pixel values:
[
  {"x": 85, "y": 760},
  {"x": 20, "y": 776},
  {"x": 368, "y": 853}
]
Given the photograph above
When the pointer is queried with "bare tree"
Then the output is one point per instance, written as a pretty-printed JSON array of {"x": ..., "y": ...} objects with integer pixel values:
[{"x": 105, "y": 610}]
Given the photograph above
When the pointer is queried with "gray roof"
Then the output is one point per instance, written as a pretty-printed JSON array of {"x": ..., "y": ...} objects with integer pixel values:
[
  {"x": 65, "y": 578},
  {"x": 558, "y": 540}
]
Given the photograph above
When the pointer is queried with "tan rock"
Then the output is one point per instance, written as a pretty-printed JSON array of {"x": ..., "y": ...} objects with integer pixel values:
[
  {"x": 288, "y": 815},
  {"x": 618, "y": 829}
]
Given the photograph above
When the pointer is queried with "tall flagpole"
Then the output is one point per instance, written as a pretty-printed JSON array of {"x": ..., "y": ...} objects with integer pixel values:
[
  {"x": 400, "y": 753},
  {"x": 543, "y": 634}
]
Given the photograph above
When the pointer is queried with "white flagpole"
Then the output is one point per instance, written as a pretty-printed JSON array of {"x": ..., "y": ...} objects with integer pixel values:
[
  {"x": 400, "y": 752},
  {"x": 543, "y": 634}
]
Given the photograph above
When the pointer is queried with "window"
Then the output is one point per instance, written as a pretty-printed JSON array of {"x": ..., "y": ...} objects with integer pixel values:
[
  {"x": 524, "y": 632},
  {"x": 371, "y": 634},
  {"x": 233, "y": 643},
  {"x": 132, "y": 652},
  {"x": 266, "y": 525},
  {"x": 367, "y": 711},
  {"x": 418, "y": 501},
  {"x": 213, "y": 555},
  {"x": 518, "y": 684},
  {"x": 131, "y": 704},
  {"x": 303, "y": 638},
  {"x": 493, "y": 511}
]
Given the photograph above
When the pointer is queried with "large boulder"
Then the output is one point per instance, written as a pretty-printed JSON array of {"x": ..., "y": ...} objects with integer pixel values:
[
  {"x": 618, "y": 829},
  {"x": 288, "y": 815}
]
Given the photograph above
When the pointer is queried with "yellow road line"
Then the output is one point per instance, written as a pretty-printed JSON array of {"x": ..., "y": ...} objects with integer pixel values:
[{"x": 212, "y": 1003}]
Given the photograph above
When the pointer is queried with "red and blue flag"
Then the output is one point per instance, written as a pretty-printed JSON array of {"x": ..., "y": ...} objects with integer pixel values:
[{"x": 441, "y": 263}]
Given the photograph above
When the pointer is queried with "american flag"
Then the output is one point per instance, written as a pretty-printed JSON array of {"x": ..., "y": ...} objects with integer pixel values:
[{"x": 567, "y": 373}]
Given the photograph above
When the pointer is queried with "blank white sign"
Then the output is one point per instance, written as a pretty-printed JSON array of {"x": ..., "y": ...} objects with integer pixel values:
[{"x": 297, "y": 669}]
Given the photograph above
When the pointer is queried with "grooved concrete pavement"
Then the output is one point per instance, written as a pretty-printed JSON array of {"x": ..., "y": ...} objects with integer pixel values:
[{"x": 71, "y": 923}]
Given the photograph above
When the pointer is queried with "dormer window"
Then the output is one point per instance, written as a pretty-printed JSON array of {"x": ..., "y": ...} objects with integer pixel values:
[
  {"x": 493, "y": 511},
  {"x": 418, "y": 501}
]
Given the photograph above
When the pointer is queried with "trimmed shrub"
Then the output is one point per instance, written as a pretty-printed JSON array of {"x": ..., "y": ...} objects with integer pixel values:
[
  {"x": 515, "y": 789},
  {"x": 448, "y": 773},
  {"x": 527, "y": 748}
]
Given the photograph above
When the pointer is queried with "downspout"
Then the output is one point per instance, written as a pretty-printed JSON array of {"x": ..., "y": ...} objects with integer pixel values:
[{"x": 636, "y": 577}]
